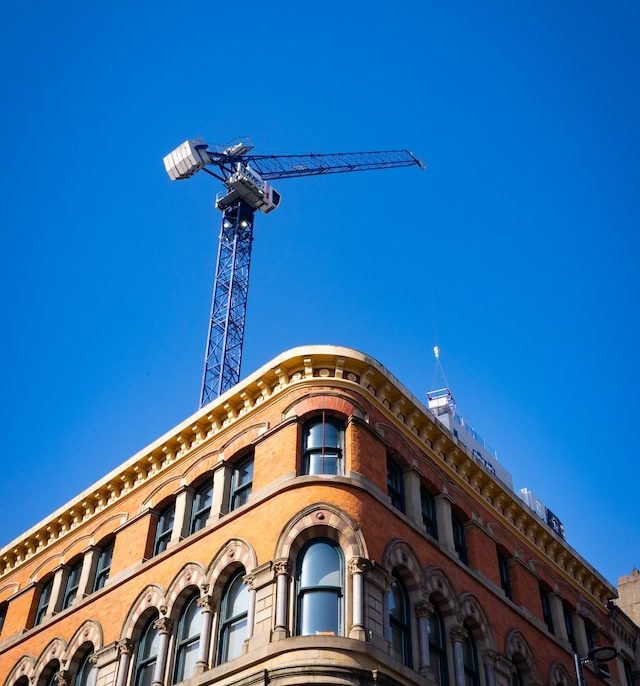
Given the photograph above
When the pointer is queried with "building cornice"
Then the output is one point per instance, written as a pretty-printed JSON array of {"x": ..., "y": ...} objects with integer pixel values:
[{"x": 311, "y": 365}]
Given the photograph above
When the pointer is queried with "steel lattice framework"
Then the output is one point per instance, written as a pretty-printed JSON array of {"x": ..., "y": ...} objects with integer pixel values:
[{"x": 246, "y": 180}]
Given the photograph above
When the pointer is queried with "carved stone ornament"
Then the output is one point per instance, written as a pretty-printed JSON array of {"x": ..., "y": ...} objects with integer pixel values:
[
  {"x": 281, "y": 567},
  {"x": 250, "y": 580},
  {"x": 163, "y": 625},
  {"x": 489, "y": 657},
  {"x": 125, "y": 646},
  {"x": 424, "y": 609},
  {"x": 60, "y": 679},
  {"x": 359, "y": 565},
  {"x": 205, "y": 603},
  {"x": 93, "y": 658},
  {"x": 458, "y": 634}
]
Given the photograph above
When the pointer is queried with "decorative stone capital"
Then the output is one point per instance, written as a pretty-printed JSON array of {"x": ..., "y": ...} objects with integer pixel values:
[
  {"x": 93, "y": 658},
  {"x": 125, "y": 646},
  {"x": 281, "y": 567},
  {"x": 250, "y": 580},
  {"x": 163, "y": 625},
  {"x": 359, "y": 565},
  {"x": 205, "y": 603},
  {"x": 424, "y": 609},
  {"x": 458, "y": 634},
  {"x": 489, "y": 657},
  {"x": 60, "y": 678}
]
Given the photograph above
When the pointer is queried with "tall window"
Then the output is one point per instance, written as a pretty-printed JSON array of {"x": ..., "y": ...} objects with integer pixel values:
[
  {"x": 319, "y": 577},
  {"x": 103, "y": 566},
  {"x": 567, "y": 612},
  {"x": 233, "y": 618},
  {"x": 71, "y": 587},
  {"x": 323, "y": 441},
  {"x": 48, "y": 677},
  {"x": 147, "y": 654},
  {"x": 546, "y": 609},
  {"x": 3, "y": 614},
  {"x": 628, "y": 672},
  {"x": 43, "y": 601},
  {"x": 503, "y": 567},
  {"x": 438, "y": 648},
  {"x": 241, "y": 482},
  {"x": 164, "y": 528},
  {"x": 201, "y": 505},
  {"x": 187, "y": 641},
  {"x": 459, "y": 539},
  {"x": 516, "y": 677},
  {"x": 395, "y": 488},
  {"x": 428, "y": 505},
  {"x": 399, "y": 619},
  {"x": 87, "y": 672},
  {"x": 471, "y": 671}
]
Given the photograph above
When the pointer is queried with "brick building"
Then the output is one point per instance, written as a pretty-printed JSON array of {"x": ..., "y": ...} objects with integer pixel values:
[{"x": 315, "y": 524}]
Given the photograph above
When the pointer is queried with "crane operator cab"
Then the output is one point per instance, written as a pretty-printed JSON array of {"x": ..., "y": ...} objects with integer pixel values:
[{"x": 247, "y": 185}]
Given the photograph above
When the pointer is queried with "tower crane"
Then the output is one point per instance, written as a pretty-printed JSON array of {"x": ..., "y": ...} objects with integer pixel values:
[{"x": 247, "y": 188}]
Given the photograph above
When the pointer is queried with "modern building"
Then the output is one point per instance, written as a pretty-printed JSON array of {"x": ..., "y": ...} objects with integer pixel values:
[{"x": 314, "y": 525}]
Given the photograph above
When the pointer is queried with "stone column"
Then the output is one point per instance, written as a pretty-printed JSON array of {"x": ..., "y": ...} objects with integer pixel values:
[
  {"x": 182, "y": 515},
  {"x": 489, "y": 658},
  {"x": 125, "y": 648},
  {"x": 412, "y": 504},
  {"x": 443, "y": 518},
  {"x": 358, "y": 566},
  {"x": 250, "y": 581},
  {"x": 458, "y": 634},
  {"x": 580, "y": 633},
  {"x": 221, "y": 486},
  {"x": 56, "y": 591},
  {"x": 281, "y": 569},
  {"x": 89, "y": 563},
  {"x": 557, "y": 613},
  {"x": 206, "y": 605},
  {"x": 424, "y": 610},
  {"x": 163, "y": 625}
]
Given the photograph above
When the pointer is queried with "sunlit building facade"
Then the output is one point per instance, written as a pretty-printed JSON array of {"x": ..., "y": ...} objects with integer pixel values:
[{"x": 316, "y": 524}]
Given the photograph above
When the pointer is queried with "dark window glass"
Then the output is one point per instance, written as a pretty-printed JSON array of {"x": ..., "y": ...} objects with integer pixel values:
[
  {"x": 459, "y": 539},
  {"x": 395, "y": 487},
  {"x": 49, "y": 673},
  {"x": 147, "y": 655},
  {"x": 43, "y": 602},
  {"x": 241, "y": 482},
  {"x": 71, "y": 587},
  {"x": 546, "y": 609},
  {"x": 319, "y": 586},
  {"x": 164, "y": 529},
  {"x": 628, "y": 673},
  {"x": 86, "y": 675},
  {"x": 517, "y": 679},
  {"x": 591, "y": 635},
  {"x": 187, "y": 641},
  {"x": 505, "y": 581},
  {"x": 398, "y": 602},
  {"x": 201, "y": 505},
  {"x": 233, "y": 619},
  {"x": 428, "y": 505},
  {"x": 471, "y": 671},
  {"x": 323, "y": 440},
  {"x": 3, "y": 614},
  {"x": 103, "y": 566},
  {"x": 438, "y": 649},
  {"x": 567, "y": 612}
]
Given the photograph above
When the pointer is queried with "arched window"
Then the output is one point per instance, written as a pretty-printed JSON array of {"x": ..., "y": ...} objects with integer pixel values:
[
  {"x": 233, "y": 618},
  {"x": 399, "y": 621},
  {"x": 471, "y": 671},
  {"x": 103, "y": 566},
  {"x": 320, "y": 589},
  {"x": 48, "y": 677},
  {"x": 43, "y": 601},
  {"x": 86, "y": 675},
  {"x": 201, "y": 505},
  {"x": 187, "y": 640},
  {"x": 241, "y": 483},
  {"x": 147, "y": 654},
  {"x": 164, "y": 528},
  {"x": 323, "y": 439},
  {"x": 73, "y": 581},
  {"x": 438, "y": 648}
]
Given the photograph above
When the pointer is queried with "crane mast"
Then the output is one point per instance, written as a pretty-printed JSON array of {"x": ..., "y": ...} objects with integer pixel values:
[{"x": 247, "y": 189}]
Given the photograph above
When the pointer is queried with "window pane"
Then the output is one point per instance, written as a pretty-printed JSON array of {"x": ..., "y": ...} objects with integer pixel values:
[
  {"x": 313, "y": 438},
  {"x": 237, "y": 599},
  {"x": 86, "y": 673},
  {"x": 187, "y": 661},
  {"x": 145, "y": 674},
  {"x": 149, "y": 646},
  {"x": 320, "y": 566},
  {"x": 191, "y": 622},
  {"x": 235, "y": 639},
  {"x": 244, "y": 473},
  {"x": 320, "y": 613}
]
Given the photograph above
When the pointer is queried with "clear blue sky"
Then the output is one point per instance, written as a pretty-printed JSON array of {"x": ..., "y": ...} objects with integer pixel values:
[{"x": 523, "y": 233}]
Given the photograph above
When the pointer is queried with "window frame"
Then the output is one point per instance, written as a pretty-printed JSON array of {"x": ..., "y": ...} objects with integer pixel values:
[
  {"x": 243, "y": 490},
  {"x": 440, "y": 648},
  {"x": 43, "y": 607},
  {"x": 505, "y": 578},
  {"x": 87, "y": 673},
  {"x": 400, "y": 626},
  {"x": 71, "y": 584},
  {"x": 102, "y": 572},
  {"x": 323, "y": 419},
  {"x": 142, "y": 664},
  {"x": 459, "y": 538},
  {"x": 395, "y": 484},
  {"x": 302, "y": 591},
  {"x": 199, "y": 516},
  {"x": 545, "y": 604},
  {"x": 567, "y": 613},
  {"x": 227, "y": 623},
  {"x": 184, "y": 643},
  {"x": 163, "y": 536},
  {"x": 4, "y": 608},
  {"x": 472, "y": 666},
  {"x": 428, "y": 512}
]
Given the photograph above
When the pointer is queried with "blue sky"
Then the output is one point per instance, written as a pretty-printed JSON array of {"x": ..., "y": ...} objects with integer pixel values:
[{"x": 516, "y": 251}]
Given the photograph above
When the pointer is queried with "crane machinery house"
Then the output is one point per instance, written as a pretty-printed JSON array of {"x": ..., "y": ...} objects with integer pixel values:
[{"x": 314, "y": 524}]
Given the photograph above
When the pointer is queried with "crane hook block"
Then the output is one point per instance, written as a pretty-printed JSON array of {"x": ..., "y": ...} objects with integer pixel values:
[{"x": 186, "y": 159}]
